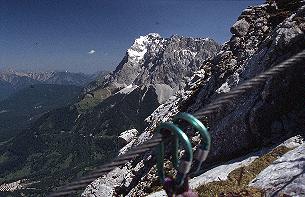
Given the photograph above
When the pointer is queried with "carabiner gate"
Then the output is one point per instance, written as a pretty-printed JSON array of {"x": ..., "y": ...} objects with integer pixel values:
[
  {"x": 203, "y": 151},
  {"x": 183, "y": 167}
]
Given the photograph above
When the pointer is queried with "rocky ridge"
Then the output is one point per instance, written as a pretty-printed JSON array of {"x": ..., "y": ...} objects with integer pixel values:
[
  {"x": 164, "y": 63},
  {"x": 262, "y": 37},
  {"x": 52, "y": 77},
  {"x": 11, "y": 81}
]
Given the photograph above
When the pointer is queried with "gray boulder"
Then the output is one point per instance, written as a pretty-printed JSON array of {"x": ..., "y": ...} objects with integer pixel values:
[
  {"x": 285, "y": 176},
  {"x": 240, "y": 28}
]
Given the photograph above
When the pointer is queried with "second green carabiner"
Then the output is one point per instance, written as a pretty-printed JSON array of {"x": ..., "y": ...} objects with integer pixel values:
[
  {"x": 203, "y": 150},
  {"x": 183, "y": 167}
]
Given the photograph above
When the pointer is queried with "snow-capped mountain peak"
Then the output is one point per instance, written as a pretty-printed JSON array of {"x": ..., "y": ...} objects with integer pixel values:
[{"x": 140, "y": 46}]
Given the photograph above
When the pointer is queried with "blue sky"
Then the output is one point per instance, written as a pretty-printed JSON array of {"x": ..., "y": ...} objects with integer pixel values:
[{"x": 59, "y": 34}]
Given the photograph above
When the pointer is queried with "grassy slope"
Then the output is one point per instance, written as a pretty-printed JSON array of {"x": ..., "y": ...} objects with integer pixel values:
[{"x": 25, "y": 106}]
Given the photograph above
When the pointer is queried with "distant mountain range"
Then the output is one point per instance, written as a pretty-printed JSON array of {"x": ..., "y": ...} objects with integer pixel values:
[{"x": 12, "y": 81}]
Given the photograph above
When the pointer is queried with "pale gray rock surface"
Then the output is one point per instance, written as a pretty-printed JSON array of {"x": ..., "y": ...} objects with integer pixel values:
[
  {"x": 286, "y": 175},
  {"x": 104, "y": 186},
  {"x": 128, "y": 135},
  {"x": 23, "y": 184},
  {"x": 240, "y": 28}
]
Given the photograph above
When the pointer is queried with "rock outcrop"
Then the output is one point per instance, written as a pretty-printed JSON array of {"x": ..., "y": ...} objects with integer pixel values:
[
  {"x": 286, "y": 176},
  {"x": 221, "y": 177}
]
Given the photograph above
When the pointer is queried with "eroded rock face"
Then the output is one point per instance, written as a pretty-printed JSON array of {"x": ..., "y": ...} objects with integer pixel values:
[
  {"x": 240, "y": 28},
  {"x": 285, "y": 176},
  {"x": 156, "y": 60},
  {"x": 128, "y": 136},
  {"x": 268, "y": 114},
  {"x": 257, "y": 116}
]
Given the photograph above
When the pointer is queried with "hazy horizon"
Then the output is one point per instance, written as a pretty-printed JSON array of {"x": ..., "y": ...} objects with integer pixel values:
[{"x": 81, "y": 36}]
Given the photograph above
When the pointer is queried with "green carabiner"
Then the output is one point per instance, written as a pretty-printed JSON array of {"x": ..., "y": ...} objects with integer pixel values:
[
  {"x": 203, "y": 151},
  {"x": 184, "y": 166}
]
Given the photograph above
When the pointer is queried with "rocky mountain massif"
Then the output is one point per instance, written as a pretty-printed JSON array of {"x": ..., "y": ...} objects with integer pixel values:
[
  {"x": 163, "y": 64},
  {"x": 65, "y": 142},
  {"x": 11, "y": 81},
  {"x": 263, "y": 36},
  {"x": 152, "y": 70}
]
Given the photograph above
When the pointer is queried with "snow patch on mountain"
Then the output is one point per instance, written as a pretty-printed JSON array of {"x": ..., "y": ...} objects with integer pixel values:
[
  {"x": 139, "y": 48},
  {"x": 128, "y": 89},
  {"x": 128, "y": 135}
]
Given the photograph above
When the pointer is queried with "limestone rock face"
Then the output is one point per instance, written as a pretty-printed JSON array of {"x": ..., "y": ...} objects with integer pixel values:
[
  {"x": 128, "y": 135},
  {"x": 285, "y": 176},
  {"x": 240, "y": 28},
  {"x": 156, "y": 60},
  {"x": 222, "y": 171}
]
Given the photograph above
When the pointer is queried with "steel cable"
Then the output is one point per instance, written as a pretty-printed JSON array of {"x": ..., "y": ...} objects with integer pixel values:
[
  {"x": 79, "y": 184},
  {"x": 256, "y": 81},
  {"x": 209, "y": 109}
]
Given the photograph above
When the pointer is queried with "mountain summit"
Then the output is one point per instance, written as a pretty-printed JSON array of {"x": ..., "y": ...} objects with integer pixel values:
[{"x": 164, "y": 63}]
